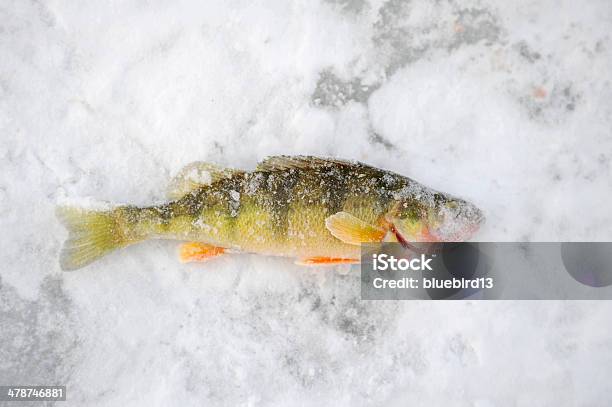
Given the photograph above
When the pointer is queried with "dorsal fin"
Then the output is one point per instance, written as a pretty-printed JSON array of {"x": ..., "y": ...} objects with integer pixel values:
[
  {"x": 285, "y": 162},
  {"x": 197, "y": 175}
]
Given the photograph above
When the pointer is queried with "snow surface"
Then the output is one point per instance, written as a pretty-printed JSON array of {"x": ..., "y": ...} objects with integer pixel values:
[{"x": 505, "y": 103}]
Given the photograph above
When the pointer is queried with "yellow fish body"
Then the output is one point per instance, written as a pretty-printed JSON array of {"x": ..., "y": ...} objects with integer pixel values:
[{"x": 315, "y": 210}]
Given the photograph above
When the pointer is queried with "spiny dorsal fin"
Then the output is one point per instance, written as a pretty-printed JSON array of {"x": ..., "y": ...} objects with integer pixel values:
[
  {"x": 352, "y": 230},
  {"x": 197, "y": 175},
  {"x": 285, "y": 162}
]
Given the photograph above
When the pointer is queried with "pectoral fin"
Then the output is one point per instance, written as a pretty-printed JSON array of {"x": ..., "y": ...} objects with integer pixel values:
[
  {"x": 194, "y": 251},
  {"x": 352, "y": 230},
  {"x": 325, "y": 261}
]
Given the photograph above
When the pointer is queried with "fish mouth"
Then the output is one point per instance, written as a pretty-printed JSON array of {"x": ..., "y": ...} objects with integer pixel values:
[
  {"x": 473, "y": 221},
  {"x": 475, "y": 227},
  {"x": 470, "y": 230},
  {"x": 480, "y": 219}
]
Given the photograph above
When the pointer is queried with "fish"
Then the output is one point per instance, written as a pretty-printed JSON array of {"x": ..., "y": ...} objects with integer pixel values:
[{"x": 318, "y": 211}]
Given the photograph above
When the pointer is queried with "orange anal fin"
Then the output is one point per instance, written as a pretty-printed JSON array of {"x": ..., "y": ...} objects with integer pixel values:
[
  {"x": 325, "y": 261},
  {"x": 194, "y": 251}
]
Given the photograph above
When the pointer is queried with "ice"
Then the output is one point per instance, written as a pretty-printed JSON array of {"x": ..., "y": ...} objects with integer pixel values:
[{"x": 505, "y": 104}]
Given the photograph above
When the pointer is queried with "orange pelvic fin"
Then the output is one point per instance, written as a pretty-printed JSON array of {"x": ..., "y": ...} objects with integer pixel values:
[
  {"x": 194, "y": 251},
  {"x": 325, "y": 261}
]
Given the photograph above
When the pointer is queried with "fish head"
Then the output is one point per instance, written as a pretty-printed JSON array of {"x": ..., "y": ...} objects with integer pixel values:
[{"x": 434, "y": 217}]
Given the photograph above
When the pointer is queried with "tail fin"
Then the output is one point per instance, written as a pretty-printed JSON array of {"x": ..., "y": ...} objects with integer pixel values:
[{"x": 91, "y": 235}]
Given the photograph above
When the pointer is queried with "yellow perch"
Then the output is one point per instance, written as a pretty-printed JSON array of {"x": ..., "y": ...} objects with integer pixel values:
[{"x": 315, "y": 210}]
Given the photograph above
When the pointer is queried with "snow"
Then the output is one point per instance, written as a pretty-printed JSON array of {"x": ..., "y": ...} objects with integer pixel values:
[
  {"x": 505, "y": 104},
  {"x": 235, "y": 195},
  {"x": 199, "y": 177}
]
